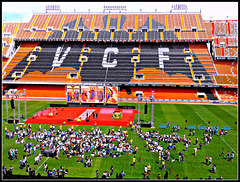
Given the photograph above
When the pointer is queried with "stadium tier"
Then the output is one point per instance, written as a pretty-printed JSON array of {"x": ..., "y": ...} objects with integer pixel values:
[
  {"x": 225, "y": 38},
  {"x": 122, "y": 49},
  {"x": 123, "y": 63}
]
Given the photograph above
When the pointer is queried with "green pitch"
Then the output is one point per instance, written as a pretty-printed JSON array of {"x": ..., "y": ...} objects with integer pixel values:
[{"x": 176, "y": 114}]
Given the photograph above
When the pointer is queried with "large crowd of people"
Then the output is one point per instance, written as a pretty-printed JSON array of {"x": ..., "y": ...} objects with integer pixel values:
[
  {"x": 80, "y": 143},
  {"x": 154, "y": 144},
  {"x": 96, "y": 143}
]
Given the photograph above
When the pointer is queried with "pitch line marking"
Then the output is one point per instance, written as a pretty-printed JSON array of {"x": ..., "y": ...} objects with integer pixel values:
[
  {"x": 75, "y": 127},
  {"x": 42, "y": 164},
  {"x": 228, "y": 145},
  {"x": 220, "y": 136}
]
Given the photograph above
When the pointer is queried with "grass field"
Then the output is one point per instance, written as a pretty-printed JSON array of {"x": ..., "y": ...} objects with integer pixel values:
[{"x": 194, "y": 166}]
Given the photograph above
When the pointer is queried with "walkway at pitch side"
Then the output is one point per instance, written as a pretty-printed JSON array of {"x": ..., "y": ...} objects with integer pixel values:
[{"x": 69, "y": 115}]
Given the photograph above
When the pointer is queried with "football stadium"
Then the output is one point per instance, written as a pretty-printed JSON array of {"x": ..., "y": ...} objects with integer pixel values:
[{"x": 120, "y": 95}]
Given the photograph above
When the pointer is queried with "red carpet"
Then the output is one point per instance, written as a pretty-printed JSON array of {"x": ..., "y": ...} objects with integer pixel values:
[{"x": 69, "y": 115}]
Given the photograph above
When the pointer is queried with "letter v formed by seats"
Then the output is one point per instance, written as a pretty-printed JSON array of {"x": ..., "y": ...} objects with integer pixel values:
[{"x": 57, "y": 62}]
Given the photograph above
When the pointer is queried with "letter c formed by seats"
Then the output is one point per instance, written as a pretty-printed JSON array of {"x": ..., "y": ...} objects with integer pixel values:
[{"x": 107, "y": 55}]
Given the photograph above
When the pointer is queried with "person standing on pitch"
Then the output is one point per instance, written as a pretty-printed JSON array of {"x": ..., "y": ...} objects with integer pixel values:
[
  {"x": 159, "y": 159},
  {"x": 179, "y": 156},
  {"x": 186, "y": 147},
  {"x": 210, "y": 160},
  {"x": 196, "y": 141},
  {"x": 206, "y": 159},
  {"x": 231, "y": 157},
  {"x": 163, "y": 165},
  {"x": 228, "y": 154},
  {"x": 222, "y": 154},
  {"x": 200, "y": 145},
  {"x": 195, "y": 151},
  {"x": 134, "y": 161}
]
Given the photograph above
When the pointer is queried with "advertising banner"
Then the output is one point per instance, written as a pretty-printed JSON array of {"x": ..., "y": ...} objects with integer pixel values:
[
  {"x": 73, "y": 94},
  {"x": 111, "y": 95},
  {"x": 92, "y": 94}
]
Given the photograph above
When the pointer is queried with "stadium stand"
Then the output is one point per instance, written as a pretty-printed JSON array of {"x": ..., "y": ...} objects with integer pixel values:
[
  {"x": 130, "y": 49},
  {"x": 227, "y": 94},
  {"x": 162, "y": 93}
]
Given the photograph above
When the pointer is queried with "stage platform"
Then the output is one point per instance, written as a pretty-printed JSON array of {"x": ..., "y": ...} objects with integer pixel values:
[{"x": 70, "y": 115}]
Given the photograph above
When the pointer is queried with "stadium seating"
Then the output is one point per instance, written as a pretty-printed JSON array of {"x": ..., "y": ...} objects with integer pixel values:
[
  {"x": 171, "y": 50},
  {"x": 22, "y": 53},
  {"x": 144, "y": 26},
  {"x": 175, "y": 71},
  {"x": 226, "y": 67},
  {"x": 230, "y": 80},
  {"x": 4, "y": 61},
  {"x": 227, "y": 94},
  {"x": 44, "y": 91},
  {"x": 225, "y": 38},
  {"x": 162, "y": 93}
]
